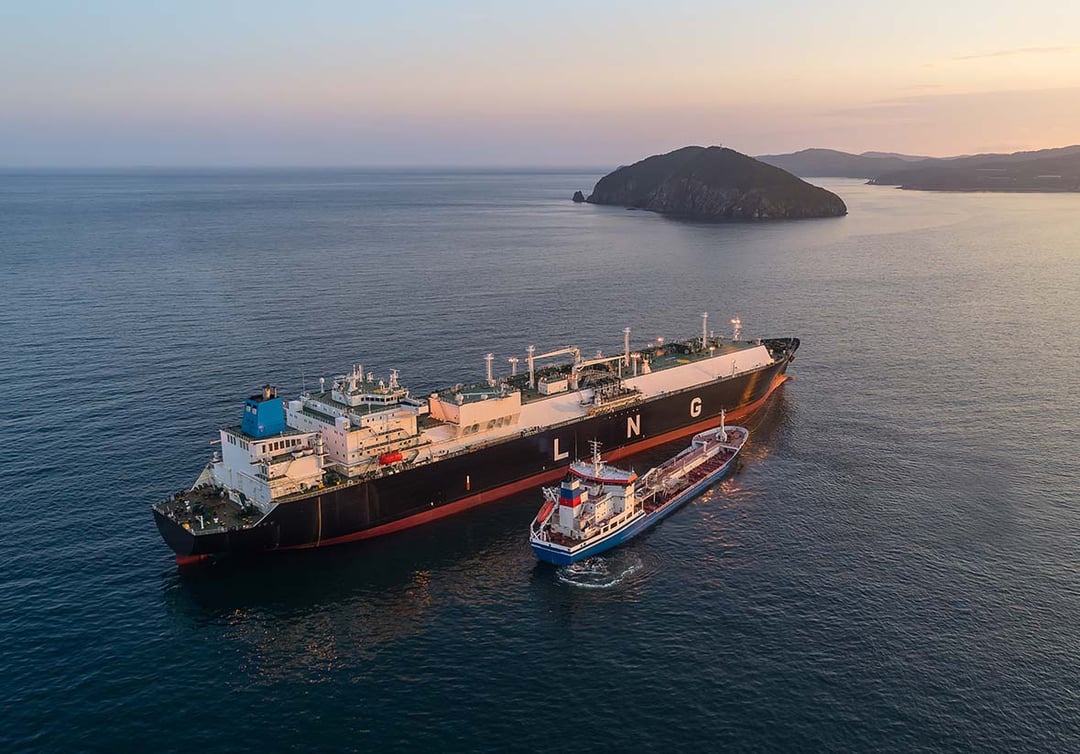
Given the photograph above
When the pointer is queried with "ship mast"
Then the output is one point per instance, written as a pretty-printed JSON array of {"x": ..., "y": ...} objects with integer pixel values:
[{"x": 596, "y": 460}]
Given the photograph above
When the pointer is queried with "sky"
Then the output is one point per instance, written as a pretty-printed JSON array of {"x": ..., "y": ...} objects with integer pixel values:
[{"x": 553, "y": 83}]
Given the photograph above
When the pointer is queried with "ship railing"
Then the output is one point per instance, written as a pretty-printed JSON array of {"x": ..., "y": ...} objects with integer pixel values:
[
  {"x": 442, "y": 455},
  {"x": 678, "y": 463},
  {"x": 670, "y": 480}
]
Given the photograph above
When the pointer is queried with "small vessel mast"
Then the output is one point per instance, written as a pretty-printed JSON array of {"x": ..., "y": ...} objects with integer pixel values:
[{"x": 597, "y": 461}]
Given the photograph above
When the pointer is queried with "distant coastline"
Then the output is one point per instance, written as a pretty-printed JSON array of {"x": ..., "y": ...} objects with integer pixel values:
[{"x": 1042, "y": 171}]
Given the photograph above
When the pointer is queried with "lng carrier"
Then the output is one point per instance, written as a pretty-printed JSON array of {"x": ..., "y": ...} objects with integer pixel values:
[{"x": 362, "y": 457}]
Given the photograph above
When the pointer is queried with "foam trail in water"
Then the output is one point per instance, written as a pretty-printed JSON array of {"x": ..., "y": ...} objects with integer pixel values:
[{"x": 598, "y": 573}]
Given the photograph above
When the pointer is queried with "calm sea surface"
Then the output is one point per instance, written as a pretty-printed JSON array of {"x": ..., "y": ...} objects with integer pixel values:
[{"x": 895, "y": 567}]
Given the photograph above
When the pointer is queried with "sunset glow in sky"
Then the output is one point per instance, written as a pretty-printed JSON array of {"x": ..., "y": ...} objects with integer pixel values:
[{"x": 551, "y": 83}]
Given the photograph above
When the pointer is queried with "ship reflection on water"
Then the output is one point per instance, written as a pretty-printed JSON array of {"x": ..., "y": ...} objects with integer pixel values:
[
  {"x": 304, "y": 619},
  {"x": 317, "y": 613}
]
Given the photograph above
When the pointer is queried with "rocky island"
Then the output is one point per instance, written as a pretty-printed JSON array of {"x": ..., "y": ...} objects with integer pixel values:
[{"x": 714, "y": 183}]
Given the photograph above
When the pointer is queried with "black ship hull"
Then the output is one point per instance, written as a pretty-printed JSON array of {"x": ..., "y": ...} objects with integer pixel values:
[{"x": 419, "y": 494}]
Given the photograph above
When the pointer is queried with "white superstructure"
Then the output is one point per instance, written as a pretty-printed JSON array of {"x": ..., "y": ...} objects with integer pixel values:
[
  {"x": 363, "y": 424},
  {"x": 261, "y": 470},
  {"x": 362, "y": 419}
]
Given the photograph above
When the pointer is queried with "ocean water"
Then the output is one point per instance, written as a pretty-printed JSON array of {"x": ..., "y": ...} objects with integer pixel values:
[{"x": 893, "y": 567}]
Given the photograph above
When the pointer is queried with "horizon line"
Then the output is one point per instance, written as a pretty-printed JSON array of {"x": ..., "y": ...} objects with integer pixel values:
[
  {"x": 290, "y": 166},
  {"x": 477, "y": 167}
]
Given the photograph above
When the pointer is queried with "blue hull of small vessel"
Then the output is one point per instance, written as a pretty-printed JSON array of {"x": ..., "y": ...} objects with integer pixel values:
[{"x": 561, "y": 557}]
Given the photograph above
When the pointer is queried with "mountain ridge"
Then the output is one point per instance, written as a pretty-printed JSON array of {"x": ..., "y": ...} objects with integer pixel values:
[{"x": 1050, "y": 170}]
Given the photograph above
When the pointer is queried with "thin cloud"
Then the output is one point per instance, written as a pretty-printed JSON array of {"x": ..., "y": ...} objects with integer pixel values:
[
  {"x": 1018, "y": 51},
  {"x": 917, "y": 104},
  {"x": 881, "y": 108}
]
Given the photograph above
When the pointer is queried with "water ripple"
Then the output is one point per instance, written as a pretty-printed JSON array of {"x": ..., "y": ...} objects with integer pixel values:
[{"x": 891, "y": 568}]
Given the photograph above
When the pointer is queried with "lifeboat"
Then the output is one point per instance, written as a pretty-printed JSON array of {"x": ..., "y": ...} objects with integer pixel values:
[
  {"x": 392, "y": 457},
  {"x": 545, "y": 511}
]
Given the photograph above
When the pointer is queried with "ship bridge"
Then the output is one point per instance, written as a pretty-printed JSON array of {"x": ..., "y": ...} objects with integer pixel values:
[
  {"x": 366, "y": 423},
  {"x": 264, "y": 459}
]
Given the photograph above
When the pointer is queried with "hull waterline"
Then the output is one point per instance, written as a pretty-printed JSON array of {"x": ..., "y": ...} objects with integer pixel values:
[{"x": 415, "y": 496}]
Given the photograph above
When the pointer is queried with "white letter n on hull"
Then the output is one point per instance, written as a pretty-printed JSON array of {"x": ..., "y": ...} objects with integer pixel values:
[{"x": 633, "y": 426}]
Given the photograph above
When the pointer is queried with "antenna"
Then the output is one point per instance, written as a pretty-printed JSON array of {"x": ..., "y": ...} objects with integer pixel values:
[
  {"x": 490, "y": 376},
  {"x": 736, "y": 327},
  {"x": 626, "y": 346},
  {"x": 704, "y": 330},
  {"x": 596, "y": 461}
]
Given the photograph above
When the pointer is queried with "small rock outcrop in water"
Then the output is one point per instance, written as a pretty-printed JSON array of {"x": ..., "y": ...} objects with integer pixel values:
[
  {"x": 715, "y": 183},
  {"x": 579, "y": 197}
]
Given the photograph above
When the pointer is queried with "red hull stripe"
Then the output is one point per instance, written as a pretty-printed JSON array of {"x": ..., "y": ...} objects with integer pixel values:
[
  {"x": 533, "y": 481},
  {"x": 190, "y": 560}
]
